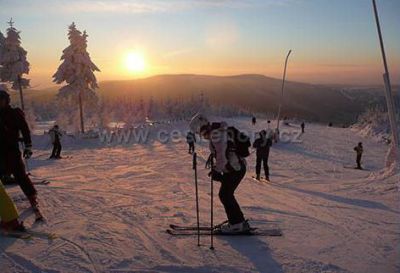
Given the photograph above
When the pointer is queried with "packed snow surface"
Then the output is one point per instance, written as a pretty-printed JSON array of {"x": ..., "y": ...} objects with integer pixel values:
[{"x": 111, "y": 204}]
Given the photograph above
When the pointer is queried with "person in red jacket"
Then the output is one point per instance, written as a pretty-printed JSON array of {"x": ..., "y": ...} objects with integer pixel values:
[{"x": 12, "y": 123}]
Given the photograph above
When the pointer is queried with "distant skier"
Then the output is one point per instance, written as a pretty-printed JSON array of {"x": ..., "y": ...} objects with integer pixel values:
[
  {"x": 254, "y": 120},
  {"x": 12, "y": 123},
  {"x": 229, "y": 169},
  {"x": 191, "y": 140},
  {"x": 302, "y": 125},
  {"x": 359, "y": 150},
  {"x": 8, "y": 213},
  {"x": 262, "y": 146},
  {"x": 55, "y": 136}
]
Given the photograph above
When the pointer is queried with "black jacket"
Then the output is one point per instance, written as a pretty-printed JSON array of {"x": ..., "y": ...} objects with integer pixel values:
[
  {"x": 12, "y": 122},
  {"x": 262, "y": 144}
]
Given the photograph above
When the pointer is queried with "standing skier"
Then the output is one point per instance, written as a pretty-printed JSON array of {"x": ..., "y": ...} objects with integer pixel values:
[
  {"x": 12, "y": 123},
  {"x": 191, "y": 140},
  {"x": 359, "y": 150},
  {"x": 229, "y": 169},
  {"x": 55, "y": 136},
  {"x": 302, "y": 125},
  {"x": 254, "y": 120},
  {"x": 262, "y": 146}
]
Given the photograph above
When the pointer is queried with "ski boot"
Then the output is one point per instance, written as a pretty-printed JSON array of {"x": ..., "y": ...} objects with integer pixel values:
[
  {"x": 258, "y": 177},
  {"x": 238, "y": 228},
  {"x": 13, "y": 225}
]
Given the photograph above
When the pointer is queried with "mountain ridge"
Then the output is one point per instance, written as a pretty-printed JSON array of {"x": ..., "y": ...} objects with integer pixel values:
[{"x": 251, "y": 92}]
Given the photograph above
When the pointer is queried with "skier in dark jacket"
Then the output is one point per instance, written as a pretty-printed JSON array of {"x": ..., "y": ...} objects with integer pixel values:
[
  {"x": 229, "y": 169},
  {"x": 254, "y": 120},
  {"x": 262, "y": 146},
  {"x": 359, "y": 150},
  {"x": 302, "y": 125},
  {"x": 12, "y": 123},
  {"x": 55, "y": 136},
  {"x": 191, "y": 140}
]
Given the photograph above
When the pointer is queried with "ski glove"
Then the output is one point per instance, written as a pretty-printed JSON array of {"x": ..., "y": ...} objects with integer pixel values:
[
  {"x": 210, "y": 162},
  {"x": 216, "y": 176},
  {"x": 27, "y": 152}
]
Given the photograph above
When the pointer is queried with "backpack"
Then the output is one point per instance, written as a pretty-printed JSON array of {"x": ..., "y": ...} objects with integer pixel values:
[{"x": 241, "y": 142}]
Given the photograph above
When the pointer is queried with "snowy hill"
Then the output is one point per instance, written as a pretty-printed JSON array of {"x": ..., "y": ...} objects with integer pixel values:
[
  {"x": 110, "y": 205},
  {"x": 255, "y": 93}
]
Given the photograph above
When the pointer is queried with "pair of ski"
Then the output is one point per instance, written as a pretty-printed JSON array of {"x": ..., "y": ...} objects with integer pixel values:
[
  {"x": 41, "y": 182},
  {"x": 29, "y": 234},
  {"x": 59, "y": 158},
  {"x": 176, "y": 230},
  {"x": 262, "y": 179},
  {"x": 354, "y": 168},
  {"x": 37, "y": 180}
]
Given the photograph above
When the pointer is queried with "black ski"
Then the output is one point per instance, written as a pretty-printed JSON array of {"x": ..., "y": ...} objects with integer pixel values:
[
  {"x": 41, "y": 182},
  {"x": 16, "y": 234},
  {"x": 63, "y": 157},
  {"x": 355, "y": 168},
  {"x": 252, "y": 232},
  {"x": 42, "y": 234},
  {"x": 29, "y": 234},
  {"x": 177, "y": 227}
]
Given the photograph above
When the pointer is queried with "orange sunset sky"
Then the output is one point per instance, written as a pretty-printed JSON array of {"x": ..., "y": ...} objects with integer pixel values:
[{"x": 334, "y": 42}]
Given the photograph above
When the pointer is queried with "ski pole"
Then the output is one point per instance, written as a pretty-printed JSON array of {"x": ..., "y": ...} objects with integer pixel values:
[
  {"x": 212, "y": 206},
  {"x": 197, "y": 197}
]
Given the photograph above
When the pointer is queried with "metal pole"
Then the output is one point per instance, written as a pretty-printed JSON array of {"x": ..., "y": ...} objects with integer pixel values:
[
  {"x": 388, "y": 86},
  {"x": 283, "y": 87},
  {"x": 21, "y": 96},
  {"x": 81, "y": 113},
  {"x": 212, "y": 207},
  {"x": 197, "y": 197}
]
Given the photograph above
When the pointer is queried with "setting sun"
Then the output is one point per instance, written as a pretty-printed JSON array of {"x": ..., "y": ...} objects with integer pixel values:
[{"x": 135, "y": 62}]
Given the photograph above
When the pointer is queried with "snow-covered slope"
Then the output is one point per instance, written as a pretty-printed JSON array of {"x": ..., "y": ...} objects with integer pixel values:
[{"x": 111, "y": 206}]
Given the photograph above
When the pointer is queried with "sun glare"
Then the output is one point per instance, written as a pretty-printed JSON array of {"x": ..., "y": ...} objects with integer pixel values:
[{"x": 135, "y": 62}]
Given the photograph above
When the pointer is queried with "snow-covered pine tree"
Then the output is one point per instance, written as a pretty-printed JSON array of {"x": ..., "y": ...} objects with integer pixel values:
[
  {"x": 13, "y": 62},
  {"x": 77, "y": 71}
]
